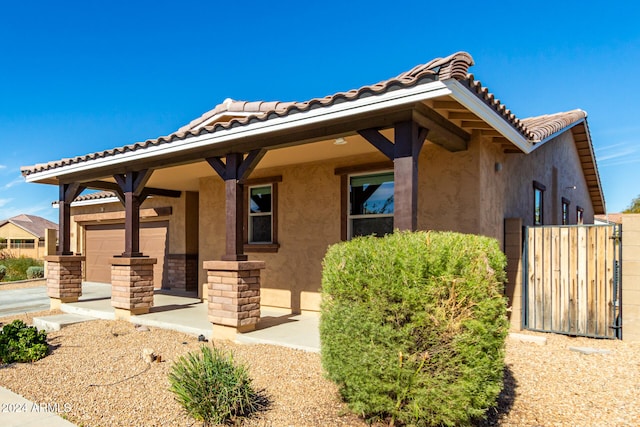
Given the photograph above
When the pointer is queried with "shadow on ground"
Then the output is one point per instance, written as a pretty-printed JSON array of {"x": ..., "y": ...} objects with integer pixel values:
[{"x": 505, "y": 401}]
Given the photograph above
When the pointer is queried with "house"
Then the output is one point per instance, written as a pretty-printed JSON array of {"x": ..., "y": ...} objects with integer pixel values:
[
  {"x": 608, "y": 218},
  {"x": 26, "y": 235},
  {"x": 241, "y": 203}
]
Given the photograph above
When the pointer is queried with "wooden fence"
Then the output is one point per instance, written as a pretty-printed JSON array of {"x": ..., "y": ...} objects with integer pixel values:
[{"x": 571, "y": 281}]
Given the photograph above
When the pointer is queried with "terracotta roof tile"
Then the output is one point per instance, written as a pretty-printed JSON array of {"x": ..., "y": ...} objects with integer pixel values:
[
  {"x": 98, "y": 195},
  {"x": 612, "y": 217},
  {"x": 541, "y": 127},
  {"x": 451, "y": 67}
]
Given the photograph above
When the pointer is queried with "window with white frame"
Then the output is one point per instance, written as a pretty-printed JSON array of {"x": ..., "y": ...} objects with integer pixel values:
[
  {"x": 260, "y": 225},
  {"x": 370, "y": 204}
]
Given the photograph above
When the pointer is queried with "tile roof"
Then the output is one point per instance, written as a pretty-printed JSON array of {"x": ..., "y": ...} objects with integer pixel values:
[
  {"x": 453, "y": 66},
  {"x": 542, "y": 127},
  {"x": 242, "y": 113},
  {"x": 98, "y": 195},
  {"x": 32, "y": 224},
  {"x": 612, "y": 217}
]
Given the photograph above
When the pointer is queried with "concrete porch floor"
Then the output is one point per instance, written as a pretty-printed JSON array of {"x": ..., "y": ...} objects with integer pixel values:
[{"x": 188, "y": 314}]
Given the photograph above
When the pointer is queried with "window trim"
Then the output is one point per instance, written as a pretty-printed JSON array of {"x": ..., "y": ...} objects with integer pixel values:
[
  {"x": 565, "y": 213},
  {"x": 343, "y": 173},
  {"x": 350, "y": 217},
  {"x": 579, "y": 215},
  {"x": 22, "y": 243},
  {"x": 541, "y": 188},
  {"x": 261, "y": 182}
]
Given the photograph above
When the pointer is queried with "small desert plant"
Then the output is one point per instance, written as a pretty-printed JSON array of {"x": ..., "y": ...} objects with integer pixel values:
[
  {"x": 413, "y": 326},
  {"x": 3, "y": 271},
  {"x": 35, "y": 272},
  {"x": 211, "y": 387},
  {"x": 22, "y": 343}
]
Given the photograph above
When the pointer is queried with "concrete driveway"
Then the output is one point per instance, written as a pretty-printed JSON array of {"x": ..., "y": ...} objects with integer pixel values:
[{"x": 20, "y": 301}]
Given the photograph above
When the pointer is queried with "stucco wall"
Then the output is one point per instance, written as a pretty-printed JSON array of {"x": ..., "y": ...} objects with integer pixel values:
[
  {"x": 308, "y": 222},
  {"x": 11, "y": 231},
  {"x": 448, "y": 198},
  {"x": 556, "y": 165},
  {"x": 309, "y": 214}
]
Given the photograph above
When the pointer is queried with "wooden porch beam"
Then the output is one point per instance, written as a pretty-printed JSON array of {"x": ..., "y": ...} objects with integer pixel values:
[
  {"x": 409, "y": 137},
  {"x": 149, "y": 191},
  {"x": 441, "y": 131},
  {"x": 131, "y": 186},
  {"x": 375, "y": 138},
  {"x": 234, "y": 171},
  {"x": 68, "y": 192}
]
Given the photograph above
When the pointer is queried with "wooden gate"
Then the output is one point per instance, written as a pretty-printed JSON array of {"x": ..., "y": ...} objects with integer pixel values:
[{"x": 572, "y": 280}]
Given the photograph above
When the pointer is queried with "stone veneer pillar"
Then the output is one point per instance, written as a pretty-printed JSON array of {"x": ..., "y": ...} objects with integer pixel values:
[
  {"x": 131, "y": 285},
  {"x": 233, "y": 296},
  {"x": 513, "y": 251},
  {"x": 64, "y": 278}
]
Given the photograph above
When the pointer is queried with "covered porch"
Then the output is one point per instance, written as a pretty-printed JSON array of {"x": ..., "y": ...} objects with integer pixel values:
[
  {"x": 307, "y": 154},
  {"x": 187, "y": 313}
]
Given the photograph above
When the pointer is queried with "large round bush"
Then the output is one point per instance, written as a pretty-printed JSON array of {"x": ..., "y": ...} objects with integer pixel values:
[{"x": 413, "y": 326}]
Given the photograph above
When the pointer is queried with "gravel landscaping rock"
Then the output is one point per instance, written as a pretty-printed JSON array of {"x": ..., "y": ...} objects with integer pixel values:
[{"x": 96, "y": 370}]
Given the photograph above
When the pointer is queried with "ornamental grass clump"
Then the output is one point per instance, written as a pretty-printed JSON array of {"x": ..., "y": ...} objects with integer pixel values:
[
  {"x": 212, "y": 388},
  {"x": 22, "y": 343},
  {"x": 413, "y": 326}
]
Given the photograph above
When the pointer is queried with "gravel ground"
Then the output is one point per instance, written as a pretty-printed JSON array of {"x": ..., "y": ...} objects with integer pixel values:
[{"x": 96, "y": 370}]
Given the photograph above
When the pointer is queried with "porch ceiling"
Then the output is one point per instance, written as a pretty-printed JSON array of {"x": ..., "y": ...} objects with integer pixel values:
[{"x": 186, "y": 177}]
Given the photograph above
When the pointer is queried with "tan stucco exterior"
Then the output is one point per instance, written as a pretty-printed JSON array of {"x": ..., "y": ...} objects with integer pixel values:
[
  {"x": 12, "y": 232},
  {"x": 470, "y": 191},
  {"x": 556, "y": 165}
]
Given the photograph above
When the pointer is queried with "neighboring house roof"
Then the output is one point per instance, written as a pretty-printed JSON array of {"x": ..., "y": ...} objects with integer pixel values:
[
  {"x": 449, "y": 77},
  {"x": 31, "y": 224},
  {"x": 612, "y": 217}
]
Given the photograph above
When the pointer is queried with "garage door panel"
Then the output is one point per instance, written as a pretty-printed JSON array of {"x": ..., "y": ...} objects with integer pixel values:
[{"x": 102, "y": 242}]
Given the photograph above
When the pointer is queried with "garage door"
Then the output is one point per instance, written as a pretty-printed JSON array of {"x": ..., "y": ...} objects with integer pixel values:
[{"x": 104, "y": 241}]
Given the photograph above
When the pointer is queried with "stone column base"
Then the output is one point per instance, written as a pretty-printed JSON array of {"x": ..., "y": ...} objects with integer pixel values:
[
  {"x": 131, "y": 285},
  {"x": 64, "y": 278},
  {"x": 233, "y": 296}
]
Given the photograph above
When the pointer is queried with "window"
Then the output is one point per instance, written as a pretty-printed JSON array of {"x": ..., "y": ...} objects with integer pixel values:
[
  {"x": 261, "y": 214},
  {"x": 370, "y": 204},
  {"x": 579, "y": 215},
  {"x": 22, "y": 244},
  {"x": 565, "y": 211},
  {"x": 538, "y": 205}
]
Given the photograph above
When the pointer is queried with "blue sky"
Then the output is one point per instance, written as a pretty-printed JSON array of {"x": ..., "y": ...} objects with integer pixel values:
[{"x": 78, "y": 77}]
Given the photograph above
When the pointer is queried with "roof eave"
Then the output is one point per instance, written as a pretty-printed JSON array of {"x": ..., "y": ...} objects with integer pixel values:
[
  {"x": 595, "y": 168},
  {"x": 465, "y": 97},
  {"x": 315, "y": 116}
]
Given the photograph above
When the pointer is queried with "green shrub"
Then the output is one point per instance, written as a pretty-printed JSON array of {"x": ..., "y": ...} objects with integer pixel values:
[
  {"x": 211, "y": 387},
  {"x": 413, "y": 326},
  {"x": 22, "y": 343},
  {"x": 35, "y": 272},
  {"x": 17, "y": 267},
  {"x": 3, "y": 271}
]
